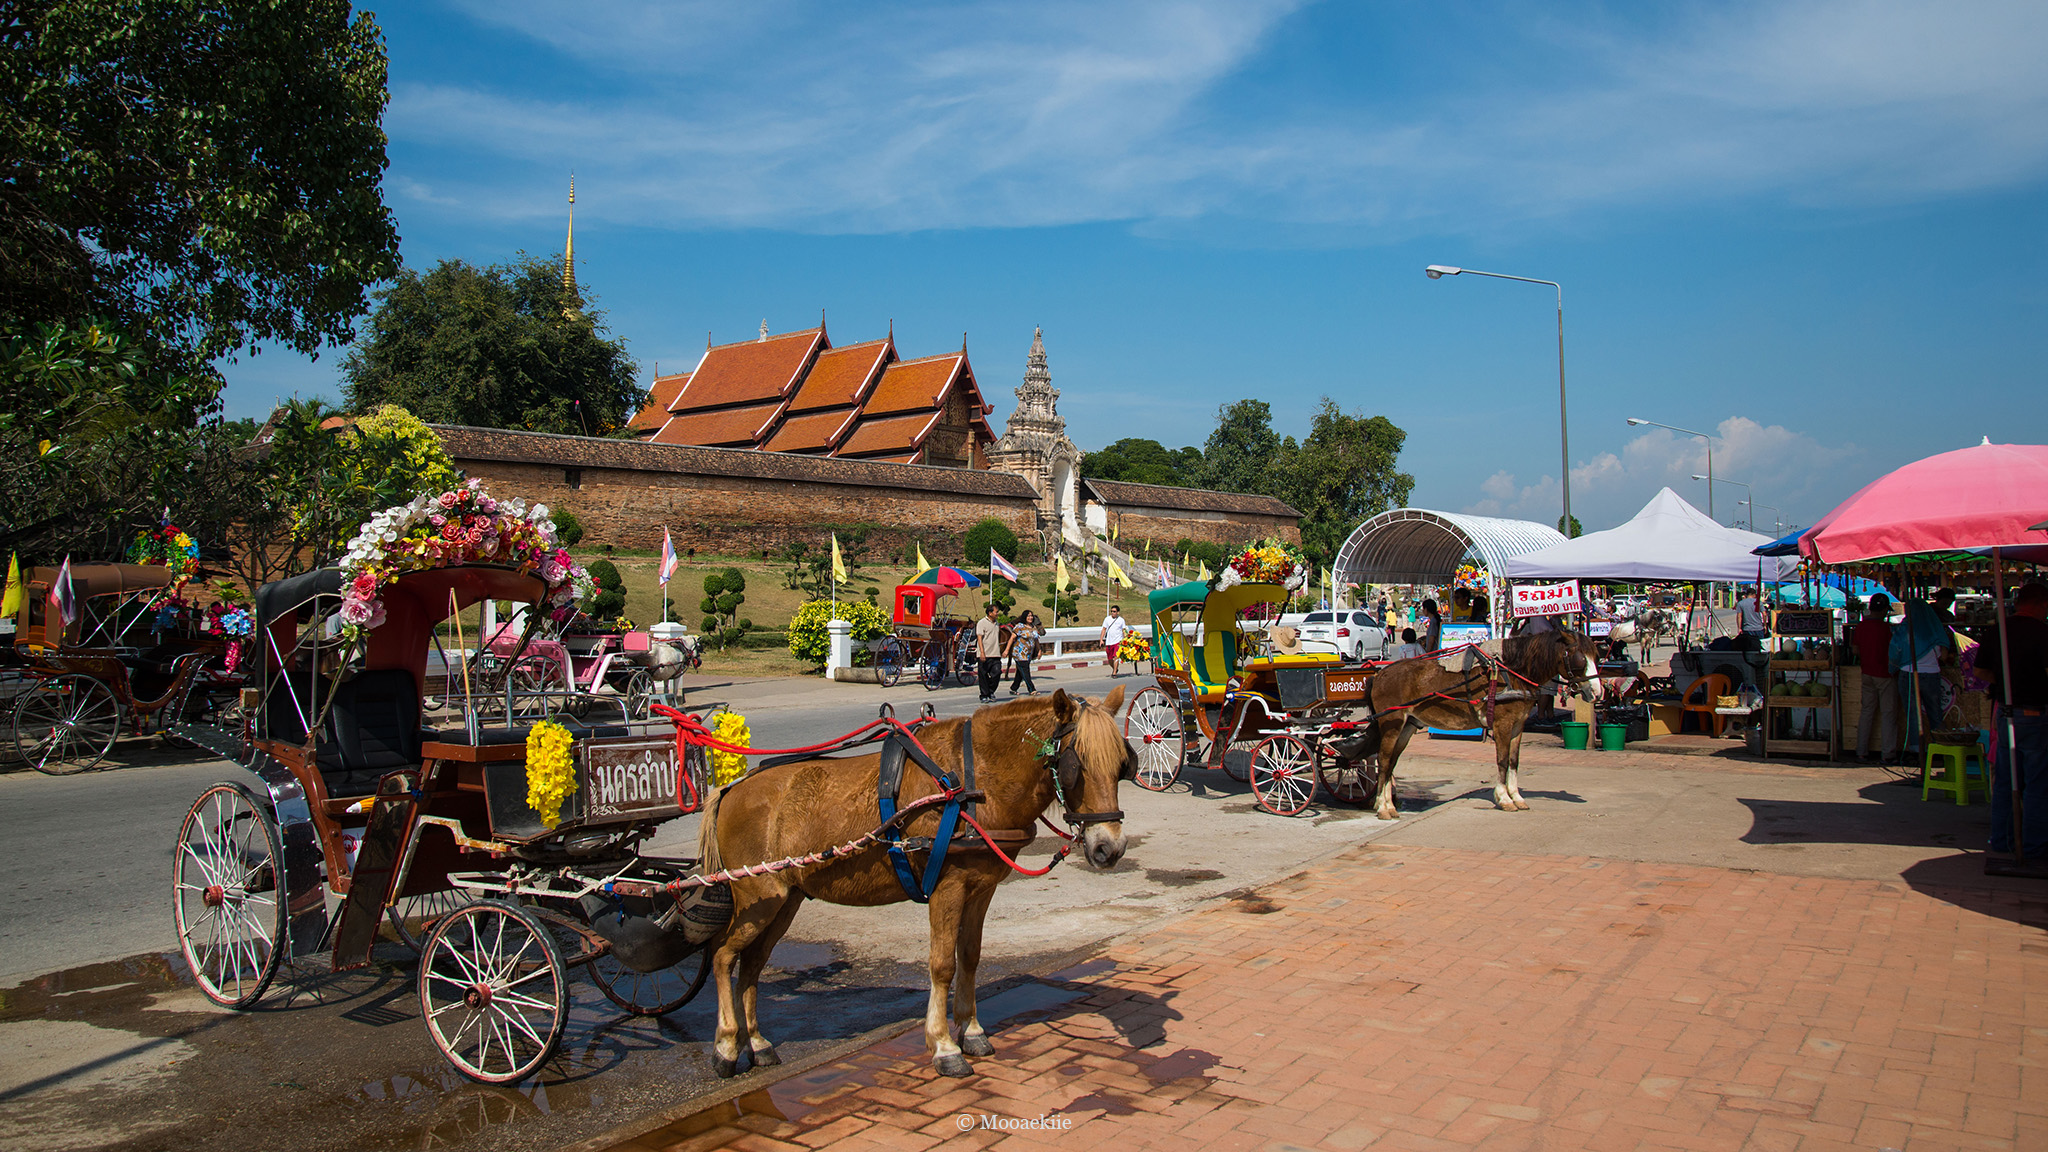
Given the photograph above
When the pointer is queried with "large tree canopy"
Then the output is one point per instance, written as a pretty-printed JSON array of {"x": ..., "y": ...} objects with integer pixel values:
[
  {"x": 1343, "y": 474},
  {"x": 509, "y": 346},
  {"x": 1244, "y": 454},
  {"x": 203, "y": 174},
  {"x": 1135, "y": 460}
]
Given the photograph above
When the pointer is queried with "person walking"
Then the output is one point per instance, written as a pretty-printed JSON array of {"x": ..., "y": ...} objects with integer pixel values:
[
  {"x": 1114, "y": 629},
  {"x": 988, "y": 648},
  {"x": 1749, "y": 618},
  {"x": 1873, "y": 639},
  {"x": 1023, "y": 650},
  {"x": 2027, "y": 636}
]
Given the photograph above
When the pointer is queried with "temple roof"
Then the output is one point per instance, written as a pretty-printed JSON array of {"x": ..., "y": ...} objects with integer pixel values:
[
  {"x": 662, "y": 396},
  {"x": 841, "y": 377},
  {"x": 752, "y": 372},
  {"x": 721, "y": 428}
]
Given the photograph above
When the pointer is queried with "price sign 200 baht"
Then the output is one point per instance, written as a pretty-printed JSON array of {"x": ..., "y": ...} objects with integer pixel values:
[{"x": 1546, "y": 599}]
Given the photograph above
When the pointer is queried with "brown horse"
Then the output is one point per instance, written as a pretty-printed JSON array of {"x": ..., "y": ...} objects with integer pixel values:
[
  {"x": 799, "y": 808},
  {"x": 1409, "y": 695}
]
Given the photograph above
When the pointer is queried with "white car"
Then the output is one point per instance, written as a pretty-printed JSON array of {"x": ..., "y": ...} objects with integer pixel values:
[{"x": 1350, "y": 633}]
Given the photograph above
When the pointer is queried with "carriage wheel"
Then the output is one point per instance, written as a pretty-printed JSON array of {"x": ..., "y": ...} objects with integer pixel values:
[
  {"x": 639, "y": 693},
  {"x": 931, "y": 666},
  {"x": 412, "y": 916},
  {"x": 532, "y": 681},
  {"x": 889, "y": 663},
  {"x": 650, "y": 993},
  {"x": 1153, "y": 729},
  {"x": 494, "y": 991},
  {"x": 225, "y": 895},
  {"x": 1237, "y": 758},
  {"x": 1352, "y": 781},
  {"x": 966, "y": 666},
  {"x": 1283, "y": 775},
  {"x": 67, "y": 724}
]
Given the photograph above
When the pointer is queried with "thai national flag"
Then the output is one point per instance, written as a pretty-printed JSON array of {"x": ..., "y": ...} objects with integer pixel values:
[
  {"x": 1000, "y": 566},
  {"x": 63, "y": 597},
  {"x": 668, "y": 556}
]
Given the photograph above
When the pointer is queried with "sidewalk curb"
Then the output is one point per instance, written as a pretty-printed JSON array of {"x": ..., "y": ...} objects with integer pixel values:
[{"x": 760, "y": 1080}]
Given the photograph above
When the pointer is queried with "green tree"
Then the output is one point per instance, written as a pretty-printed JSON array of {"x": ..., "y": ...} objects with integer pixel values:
[
  {"x": 609, "y": 601},
  {"x": 1576, "y": 530},
  {"x": 206, "y": 174},
  {"x": 508, "y": 346},
  {"x": 568, "y": 528},
  {"x": 1341, "y": 474},
  {"x": 986, "y": 534},
  {"x": 1135, "y": 460},
  {"x": 724, "y": 591},
  {"x": 1242, "y": 453}
]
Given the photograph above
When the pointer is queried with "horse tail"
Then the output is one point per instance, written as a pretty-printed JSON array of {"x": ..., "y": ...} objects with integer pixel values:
[{"x": 709, "y": 857}]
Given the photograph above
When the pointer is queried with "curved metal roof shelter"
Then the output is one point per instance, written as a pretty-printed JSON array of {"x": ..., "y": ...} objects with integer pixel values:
[{"x": 1417, "y": 546}]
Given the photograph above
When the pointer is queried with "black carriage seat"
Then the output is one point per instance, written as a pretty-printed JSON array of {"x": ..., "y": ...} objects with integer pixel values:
[{"x": 373, "y": 727}]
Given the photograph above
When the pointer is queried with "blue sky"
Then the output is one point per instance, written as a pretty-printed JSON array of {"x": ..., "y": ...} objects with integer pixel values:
[{"x": 1815, "y": 229}]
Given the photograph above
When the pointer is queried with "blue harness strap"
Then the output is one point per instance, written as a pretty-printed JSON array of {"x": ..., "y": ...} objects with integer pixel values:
[{"x": 888, "y": 781}]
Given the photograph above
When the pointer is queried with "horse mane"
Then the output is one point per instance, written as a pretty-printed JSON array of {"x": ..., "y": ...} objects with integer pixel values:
[
  {"x": 1541, "y": 656},
  {"x": 1096, "y": 736}
]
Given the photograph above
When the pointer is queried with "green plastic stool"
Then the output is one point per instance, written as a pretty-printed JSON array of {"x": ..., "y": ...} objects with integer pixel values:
[{"x": 1954, "y": 776}]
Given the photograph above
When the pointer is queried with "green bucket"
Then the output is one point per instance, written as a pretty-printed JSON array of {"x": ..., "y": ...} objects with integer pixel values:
[
  {"x": 1613, "y": 737},
  {"x": 1575, "y": 734}
]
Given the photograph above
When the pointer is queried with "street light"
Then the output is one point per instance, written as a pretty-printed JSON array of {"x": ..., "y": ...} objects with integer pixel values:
[
  {"x": 1711, "y": 481},
  {"x": 1710, "y": 454},
  {"x": 1438, "y": 272},
  {"x": 1780, "y": 519}
]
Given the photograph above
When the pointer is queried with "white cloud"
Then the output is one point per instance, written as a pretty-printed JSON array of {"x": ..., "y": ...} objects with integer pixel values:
[
  {"x": 902, "y": 117},
  {"x": 1788, "y": 473}
]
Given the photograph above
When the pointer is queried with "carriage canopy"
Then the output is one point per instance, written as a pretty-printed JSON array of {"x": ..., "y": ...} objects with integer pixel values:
[{"x": 1212, "y": 657}]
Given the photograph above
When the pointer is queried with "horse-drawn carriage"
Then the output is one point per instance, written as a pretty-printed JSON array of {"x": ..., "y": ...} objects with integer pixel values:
[
  {"x": 564, "y": 669},
  {"x": 927, "y": 638},
  {"x": 1263, "y": 717},
  {"x": 127, "y": 664}
]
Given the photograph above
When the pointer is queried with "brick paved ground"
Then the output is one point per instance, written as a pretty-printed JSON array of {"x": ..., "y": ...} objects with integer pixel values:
[{"x": 1428, "y": 998}]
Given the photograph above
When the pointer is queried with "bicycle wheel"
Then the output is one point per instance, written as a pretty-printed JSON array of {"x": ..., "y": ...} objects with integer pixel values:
[
  {"x": 889, "y": 663},
  {"x": 66, "y": 725}
]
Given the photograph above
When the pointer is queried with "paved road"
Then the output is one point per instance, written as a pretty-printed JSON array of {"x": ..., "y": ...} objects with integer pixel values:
[{"x": 108, "y": 1046}]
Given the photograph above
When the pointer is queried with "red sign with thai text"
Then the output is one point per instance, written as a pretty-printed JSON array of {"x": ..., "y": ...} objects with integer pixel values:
[{"x": 1546, "y": 599}]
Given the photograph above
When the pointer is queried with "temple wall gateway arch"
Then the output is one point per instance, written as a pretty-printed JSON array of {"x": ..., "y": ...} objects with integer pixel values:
[{"x": 1418, "y": 546}]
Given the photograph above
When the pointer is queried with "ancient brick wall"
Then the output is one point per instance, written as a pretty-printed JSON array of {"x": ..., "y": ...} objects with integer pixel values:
[
  {"x": 1236, "y": 528},
  {"x": 740, "y": 515}
]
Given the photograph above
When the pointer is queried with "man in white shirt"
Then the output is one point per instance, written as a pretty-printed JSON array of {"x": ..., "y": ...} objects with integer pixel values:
[
  {"x": 988, "y": 649},
  {"x": 1114, "y": 629}
]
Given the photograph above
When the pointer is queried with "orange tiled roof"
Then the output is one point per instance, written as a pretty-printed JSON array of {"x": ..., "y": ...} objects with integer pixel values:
[
  {"x": 724, "y": 428},
  {"x": 811, "y": 432},
  {"x": 914, "y": 385},
  {"x": 840, "y": 377},
  {"x": 750, "y": 371},
  {"x": 652, "y": 417},
  {"x": 894, "y": 434}
]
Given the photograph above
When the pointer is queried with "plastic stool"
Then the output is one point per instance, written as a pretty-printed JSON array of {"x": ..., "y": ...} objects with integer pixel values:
[{"x": 1955, "y": 776}]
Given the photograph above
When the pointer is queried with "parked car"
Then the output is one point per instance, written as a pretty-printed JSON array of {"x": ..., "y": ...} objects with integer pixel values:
[{"x": 1350, "y": 633}]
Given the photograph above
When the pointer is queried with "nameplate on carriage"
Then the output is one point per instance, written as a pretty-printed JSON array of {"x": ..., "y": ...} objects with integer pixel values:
[{"x": 626, "y": 779}]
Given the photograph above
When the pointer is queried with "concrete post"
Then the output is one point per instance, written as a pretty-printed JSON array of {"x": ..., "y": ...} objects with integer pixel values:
[{"x": 839, "y": 647}]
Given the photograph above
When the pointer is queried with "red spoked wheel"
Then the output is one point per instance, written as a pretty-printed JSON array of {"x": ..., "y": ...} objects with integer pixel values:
[
  {"x": 1283, "y": 771},
  {"x": 1351, "y": 781},
  {"x": 1152, "y": 727}
]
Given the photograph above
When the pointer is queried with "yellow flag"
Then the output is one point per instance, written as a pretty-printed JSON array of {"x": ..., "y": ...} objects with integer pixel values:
[
  {"x": 1060, "y": 580},
  {"x": 922, "y": 563},
  {"x": 1115, "y": 573},
  {"x": 838, "y": 562},
  {"x": 12, "y": 603},
  {"x": 1148, "y": 545},
  {"x": 1114, "y": 529},
  {"x": 1204, "y": 573}
]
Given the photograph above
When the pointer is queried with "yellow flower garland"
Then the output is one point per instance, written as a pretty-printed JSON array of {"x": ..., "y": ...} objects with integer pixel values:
[
  {"x": 726, "y": 767},
  {"x": 550, "y": 770}
]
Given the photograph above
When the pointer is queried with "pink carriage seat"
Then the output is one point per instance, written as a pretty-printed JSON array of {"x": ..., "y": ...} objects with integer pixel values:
[{"x": 637, "y": 642}]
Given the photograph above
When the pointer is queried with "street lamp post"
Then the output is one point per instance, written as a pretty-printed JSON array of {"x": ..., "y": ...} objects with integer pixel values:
[
  {"x": 1438, "y": 272},
  {"x": 1775, "y": 515},
  {"x": 1711, "y": 481},
  {"x": 1710, "y": 453}
]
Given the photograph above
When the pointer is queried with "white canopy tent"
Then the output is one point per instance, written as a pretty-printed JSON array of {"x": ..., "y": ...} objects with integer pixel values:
[{"x": 1669, "y": 540}]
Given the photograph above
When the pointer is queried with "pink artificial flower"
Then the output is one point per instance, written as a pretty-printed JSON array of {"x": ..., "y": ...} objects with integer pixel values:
[
  {"x": 355, "y": 611},
  {"x": 437, "y": 520},
  {"x": 475, "y": 536},
  {"x": 449, "y": 499},
  {"x": 451, "y": 531}
]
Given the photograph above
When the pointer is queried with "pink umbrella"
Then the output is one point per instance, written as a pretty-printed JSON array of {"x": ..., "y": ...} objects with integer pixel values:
[{"x": 1989, "y": 496}]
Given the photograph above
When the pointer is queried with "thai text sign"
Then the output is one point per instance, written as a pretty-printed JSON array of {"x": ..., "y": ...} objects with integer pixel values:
[{"x": 1546, "y": 599}]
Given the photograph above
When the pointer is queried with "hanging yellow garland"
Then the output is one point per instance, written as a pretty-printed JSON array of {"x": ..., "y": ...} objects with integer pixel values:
[
  {"x": 726, "y": 767},
  {"x": 550, "y": 770}
]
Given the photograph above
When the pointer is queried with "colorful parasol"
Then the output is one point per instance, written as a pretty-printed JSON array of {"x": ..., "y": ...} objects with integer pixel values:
[
  {"x": 947, "y": 578},
  {"x": 1989, "y": 496}
]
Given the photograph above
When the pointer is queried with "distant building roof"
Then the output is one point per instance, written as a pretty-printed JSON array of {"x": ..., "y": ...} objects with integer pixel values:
[
  {"x": 1116, "y": 493},
  {"x": 506, "y": 446},
  {"x": 649, "y": 420}
]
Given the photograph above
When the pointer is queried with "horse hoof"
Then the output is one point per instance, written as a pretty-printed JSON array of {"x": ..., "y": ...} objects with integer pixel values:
[
  {"x": 1387, "y": 814},
  {"x": 763, "y": 1057},
  {"x": 952, "y": 1066},
  {"x": 1521, "y": 805},
  {"x": 726, "y": 1069},
  {"x": 977, "y": 1046}
]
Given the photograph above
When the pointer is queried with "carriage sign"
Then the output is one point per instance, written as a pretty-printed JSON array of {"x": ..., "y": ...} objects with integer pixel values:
[{"x": 1546, "y": 599}]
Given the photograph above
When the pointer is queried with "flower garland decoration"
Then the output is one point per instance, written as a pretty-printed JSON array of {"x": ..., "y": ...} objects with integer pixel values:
[
  {"x": 168, "y": 546},
  {"x": 233, "y": 622},
  {"x": 1270, "y": 563},
  {"x": 1134, "y": 648},
  {"x": 550, "y": 770},
  {"x": 1470, "y": 575},
  {"x": 726, "y": 767},
  {"x": 463, "y": 525}
]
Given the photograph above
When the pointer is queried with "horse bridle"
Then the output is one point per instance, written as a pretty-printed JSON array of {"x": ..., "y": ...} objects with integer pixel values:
[{"x": 1064, "y": 763}]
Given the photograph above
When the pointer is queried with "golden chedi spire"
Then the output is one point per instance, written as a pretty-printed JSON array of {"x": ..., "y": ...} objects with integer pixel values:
[{"x": 569, "y": 291}]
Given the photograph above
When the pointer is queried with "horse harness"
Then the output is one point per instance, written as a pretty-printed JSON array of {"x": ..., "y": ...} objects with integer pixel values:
[{"x": 1493, "y": 667}]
